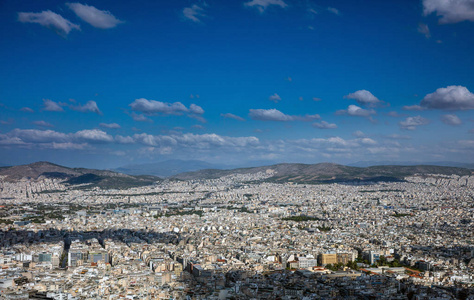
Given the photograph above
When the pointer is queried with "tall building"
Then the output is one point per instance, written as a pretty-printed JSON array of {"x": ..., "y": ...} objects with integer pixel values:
[{"x": 327, "y": 258}]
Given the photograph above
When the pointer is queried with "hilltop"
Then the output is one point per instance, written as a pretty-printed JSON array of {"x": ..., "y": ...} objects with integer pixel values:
[{"x": 75, "y": 176}]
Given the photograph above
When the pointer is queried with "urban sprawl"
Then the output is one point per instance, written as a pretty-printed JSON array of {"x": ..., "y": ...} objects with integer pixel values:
[{"x": 238, "y": 237}]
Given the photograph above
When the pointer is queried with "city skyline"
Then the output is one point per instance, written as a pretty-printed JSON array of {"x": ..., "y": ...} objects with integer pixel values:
[{"x": 104, "y": 84}]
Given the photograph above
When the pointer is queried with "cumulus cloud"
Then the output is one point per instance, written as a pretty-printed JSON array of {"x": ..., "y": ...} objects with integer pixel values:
[
  {"x": 451, "y": 119},
  {"x": 276, "y": 115},
  {"x": 195, "y": 109},
  {"x": 124, "y": 139},
  {"x": 411, "y": 123},
  {"x": 151, "y": 107},
  {"x": 49, "y": 20},
  {"x": 363, "y": 97},
  {"x": 50, "y": 105},
  {"x": 232, "y": 116},
  {"x": 275, "y": 98},
  {"x": 189, "y": 140},
  {"x": 424, "y": 29},
  {"x": 453, "y": 97},
  {"x": 38, "y": 136},
  {"x": 261, "y": 5},
  {"x": 42, "y": 123},
  {"x": 50, "y": 139},
  {"x": 94, "y": 136},
  {"x": 269, "y": 115},
  {"x": 98, "y": 18},
  {"x": 193, "y": 13},
  {"x": 366, "y": 141},
  {"x": 90, "y": 106},
  {"x": 354, "y": 110},
  {"x": 66, "y": 146},
  {"x": 110, "y": 125},
  {"x": 325, "y": 125},
  {"x": 450, "y": 11}
]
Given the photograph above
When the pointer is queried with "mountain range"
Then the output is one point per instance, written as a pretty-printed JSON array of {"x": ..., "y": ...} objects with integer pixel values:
[
  {"x": 329, "y": 172},
  {"x": 280, "y": 173},
  {"x": 75, "y": 176}
]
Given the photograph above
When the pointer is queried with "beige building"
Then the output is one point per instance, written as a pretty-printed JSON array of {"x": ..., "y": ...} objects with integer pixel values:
[{"x": 328, "y": 258}]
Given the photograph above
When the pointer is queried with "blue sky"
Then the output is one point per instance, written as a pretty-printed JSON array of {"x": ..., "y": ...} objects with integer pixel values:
[{"x": 109, "y": 83}]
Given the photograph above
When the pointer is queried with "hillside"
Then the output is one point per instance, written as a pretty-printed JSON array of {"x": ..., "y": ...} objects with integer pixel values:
[
  {"x": 75, "y": 176},
  {"x": 328, "y": 172}
]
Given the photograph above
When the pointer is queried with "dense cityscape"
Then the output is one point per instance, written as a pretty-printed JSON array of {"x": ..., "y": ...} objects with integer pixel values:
[
  {"x": 239, "y": 237},
  {"x": 231, "y": 150}
]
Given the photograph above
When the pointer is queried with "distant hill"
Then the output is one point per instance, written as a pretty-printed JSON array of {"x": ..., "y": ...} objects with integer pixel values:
[
  {"x": 329, "y": 173},
  {"x": 168, "y": 167},
  {"x": 75, "y": 176}
]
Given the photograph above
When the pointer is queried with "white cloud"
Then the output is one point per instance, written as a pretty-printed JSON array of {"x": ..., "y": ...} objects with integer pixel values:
[
  {"x": 450, "y": 11},
  {"x": 90, "y": 106},
  {"x": 413, "y": 107},
  {"x": 93, "y": 135},
  {"x": 354, "y": 110},
  {"x": 38, "y": 136},
  {"x": 358, "y": 134},
  {"x": 110, "y": 125},
  {"x": 454, "y": 97},
  {"x": 316, "y": 99},
  {"x": 49, "y": 139},
  {"x": 411, "y": 123},
  {"x": 189, "y": 140},
  {"x": 261, "y": 5},
  {"x": 269, "y": 115},
  {"x": 27, "y": 109},
  {"x": 197, "y": 117},
  {"x": 334, "y": 10},
  {"x": 151, "y": 106},
  {"x": 66, "y": 146},
  {"x": 451, "y": 119},
  {"x": 398, "y": 137},
  {"x": 200, "y": 127},
  {"x": 195, "y": 109},
  {"x": 124, "y": 139},
  {"x": 232, "y": 116},
  {"x": 50, "y": 105},
  {"x": 139, "y": 117},
  {"x": 394, "y": 114},
  {"x": 42, "y": 123},
  {"x": 325, "y": 125},
  {"x": 194, "y": 13},
  {"x": 276, "y": 115},
  {"x": 366, "y": 141},
  {"x": 363, "y": 97},
  {"x": 275, "y": 98},
  {"x": 98, "y": 18},
  {"x": 49, "y": 20},
  {"x": 424, "y": 29}
]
